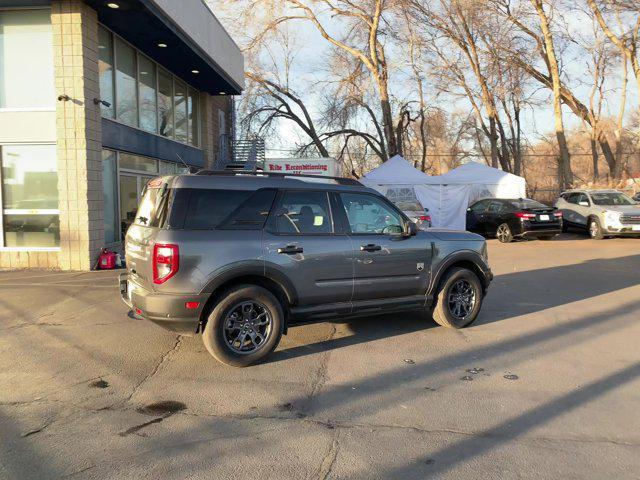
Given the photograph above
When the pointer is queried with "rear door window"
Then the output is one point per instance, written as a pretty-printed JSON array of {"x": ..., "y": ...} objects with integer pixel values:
[
  {"x": 207, "y": 208},
  {"x": 252, "y": 214},
  {"x": 299, "y": 212}
]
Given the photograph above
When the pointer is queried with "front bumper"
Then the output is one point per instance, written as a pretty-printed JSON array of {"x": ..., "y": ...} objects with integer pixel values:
[
  {"x": 622, "y": 229},
  {"x": 164, "y": 309}
]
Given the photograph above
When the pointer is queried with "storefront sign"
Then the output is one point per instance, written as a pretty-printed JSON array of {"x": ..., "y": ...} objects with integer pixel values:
[{"x": 327, "y": 167}]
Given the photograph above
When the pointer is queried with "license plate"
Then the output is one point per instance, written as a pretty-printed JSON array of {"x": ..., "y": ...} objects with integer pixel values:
[
  {"x": 544, "y": 218},
  {"x": 636, "y": 228}
]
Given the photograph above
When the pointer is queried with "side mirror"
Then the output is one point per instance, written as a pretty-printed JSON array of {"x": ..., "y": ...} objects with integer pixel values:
[
  {"x": 410, "y": 229},
  {"x": 469, "y": 210}
]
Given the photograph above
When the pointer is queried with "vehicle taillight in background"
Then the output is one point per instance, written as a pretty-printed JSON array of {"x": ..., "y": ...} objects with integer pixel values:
[
  {"x": 166, "y": 260},
  {"x": 557, "y": 214},
  {"x": 525, "y": 215},
  {"x": 425, "y": 218}
]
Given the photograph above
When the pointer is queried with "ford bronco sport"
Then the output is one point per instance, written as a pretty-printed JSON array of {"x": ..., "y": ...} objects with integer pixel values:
[{"x": 239, "y": 257}]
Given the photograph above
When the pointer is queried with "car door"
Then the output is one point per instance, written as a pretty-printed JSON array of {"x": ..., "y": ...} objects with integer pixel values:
[
  {"x": 388, "y": 263},
  {"x": 475, "y": 217},
  {"x": 301, "y": 242},
  {"x": 581, "y": 209},
  {"x": 493, "y": 216}
]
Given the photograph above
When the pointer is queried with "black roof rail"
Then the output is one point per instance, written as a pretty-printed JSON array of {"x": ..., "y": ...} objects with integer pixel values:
[{"x": 338, "y": 180}]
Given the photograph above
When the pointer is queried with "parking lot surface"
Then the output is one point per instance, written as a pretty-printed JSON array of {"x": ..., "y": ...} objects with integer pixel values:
[{"x": 546, "y": 384}]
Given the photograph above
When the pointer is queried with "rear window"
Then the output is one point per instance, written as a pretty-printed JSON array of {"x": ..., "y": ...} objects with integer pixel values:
[
  {"x": 152, "y": 210},
  {"x": 526, "y": 203},
  {"x": 206, "y": 209}
]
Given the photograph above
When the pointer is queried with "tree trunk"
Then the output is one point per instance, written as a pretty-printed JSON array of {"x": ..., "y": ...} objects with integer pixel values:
[
  {"x": 614, "y": 168},
  {"x": 493, "y": 139},
  {"x": 517, "y": 156},
  {"x": 387, "y": 125},
  {"x": 594, "y": 158},
  {"x": 554, "y": 72}
]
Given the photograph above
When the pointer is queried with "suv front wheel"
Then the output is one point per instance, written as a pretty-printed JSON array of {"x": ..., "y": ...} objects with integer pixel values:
[
  {"x": 459, "y": 298},
  {"x": 244, "y": 326},
  {"x": 595, "y": 229}
]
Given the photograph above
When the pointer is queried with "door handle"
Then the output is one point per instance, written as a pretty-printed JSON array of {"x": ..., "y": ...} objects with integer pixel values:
[
  {"x": 370, "y": 247},
  {"x": 290, "y": 250}
]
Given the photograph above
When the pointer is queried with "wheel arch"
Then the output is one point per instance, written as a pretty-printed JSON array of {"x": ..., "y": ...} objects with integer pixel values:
[{"x": 467, "y": 259}]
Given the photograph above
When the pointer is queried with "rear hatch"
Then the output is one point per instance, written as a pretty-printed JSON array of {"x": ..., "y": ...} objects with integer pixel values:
[
  {"x": 543, "y": 217},
  {"x": 149, "y": 219}
]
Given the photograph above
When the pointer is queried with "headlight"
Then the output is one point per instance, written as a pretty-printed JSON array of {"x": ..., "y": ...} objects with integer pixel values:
[{"x": 612, "y": 218}]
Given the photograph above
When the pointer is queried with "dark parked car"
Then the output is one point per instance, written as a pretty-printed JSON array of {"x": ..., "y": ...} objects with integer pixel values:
[
  {"x": 636, "y": 197},
  {"x": 240, "y": 257},
  {"x": 508, "y": 219}
]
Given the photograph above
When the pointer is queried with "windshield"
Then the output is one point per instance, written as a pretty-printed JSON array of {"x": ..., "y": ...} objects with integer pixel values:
[{"x": 611, "y": 198}]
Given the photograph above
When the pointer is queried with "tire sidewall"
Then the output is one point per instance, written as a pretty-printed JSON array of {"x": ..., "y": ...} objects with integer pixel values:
[
  {"x": 600, "y": 233},
  {"x": 509, "y": 238},
  {"x": 443, "y": 294},
  {"x": 213, "y": 335}
]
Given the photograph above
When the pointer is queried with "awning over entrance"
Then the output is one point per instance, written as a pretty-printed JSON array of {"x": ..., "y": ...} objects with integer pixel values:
[{"x": 183, "y": 36}]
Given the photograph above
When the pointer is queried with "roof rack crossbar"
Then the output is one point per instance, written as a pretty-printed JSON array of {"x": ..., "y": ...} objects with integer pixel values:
[{"x": 338, "y": 180}]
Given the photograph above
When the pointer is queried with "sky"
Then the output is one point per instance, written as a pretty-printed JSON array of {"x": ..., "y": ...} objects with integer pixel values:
[{"x": 537, "y": 121}]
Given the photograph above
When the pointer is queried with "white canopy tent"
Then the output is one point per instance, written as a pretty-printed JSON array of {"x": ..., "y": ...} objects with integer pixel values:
[{"x": 446, "y": 196}]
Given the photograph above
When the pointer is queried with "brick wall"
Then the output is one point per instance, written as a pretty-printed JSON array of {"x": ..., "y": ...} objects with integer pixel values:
[{"x": 75, "y": 43}]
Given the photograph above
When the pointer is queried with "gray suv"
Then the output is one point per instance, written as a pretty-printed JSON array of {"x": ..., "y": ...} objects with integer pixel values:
[
  {"x": 240, "y": 257},
  {"x": 601, "y": 213}
]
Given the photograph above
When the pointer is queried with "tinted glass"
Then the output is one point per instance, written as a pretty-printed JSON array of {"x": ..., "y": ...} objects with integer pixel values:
[
  {"x": 479, "y": 207},
  {"x": 207, "y": 208},
  {"x": 527, "y": 203},
  {"x": 126, "y": 99},
  {"x": 147, "y": 92},
  {"x": 152, "y": 210},
  {"x": 110, "y": 196},
  {"x": 582, "y": 198},
  {"x": 140, "y": 164},
  {"x": 302, "y": 213},
  {"x": 252, "y": 214},
  {"x": 369, "y": 214},
  {"x": 105, "y": 71}
]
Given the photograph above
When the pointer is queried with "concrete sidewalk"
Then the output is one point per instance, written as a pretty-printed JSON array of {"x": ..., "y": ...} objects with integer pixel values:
[{"x": 545, "y": 385}]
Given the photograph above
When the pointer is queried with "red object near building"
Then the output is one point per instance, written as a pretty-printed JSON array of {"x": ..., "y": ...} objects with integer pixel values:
[{"x": 107, "y": 260}]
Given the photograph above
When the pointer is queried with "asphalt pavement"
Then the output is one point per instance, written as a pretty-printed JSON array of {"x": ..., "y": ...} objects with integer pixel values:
[{"x": 546, "y": 384}]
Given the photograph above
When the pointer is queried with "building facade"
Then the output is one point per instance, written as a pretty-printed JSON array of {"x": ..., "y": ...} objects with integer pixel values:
[{"x": 96, "y": 98}]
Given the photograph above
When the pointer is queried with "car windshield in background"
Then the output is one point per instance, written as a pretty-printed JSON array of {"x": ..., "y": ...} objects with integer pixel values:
[
  {"x": 409, "y": 206},
  {"x": 526, "y": 203},
  {"x": 611, "y": 198}
]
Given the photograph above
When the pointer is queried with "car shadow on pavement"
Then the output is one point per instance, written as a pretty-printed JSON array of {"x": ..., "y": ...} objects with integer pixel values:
[{"x": 511, "y": 295}]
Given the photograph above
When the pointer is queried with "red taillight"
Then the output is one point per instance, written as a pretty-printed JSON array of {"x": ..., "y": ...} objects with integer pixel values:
[
  {"x": 557, "y": 214},
  {"x": 425, "y": 218},
  {"x": 166, "y": 260},
  {"x": 525, "y": 215},
  {"x": 191, "y": 305}
]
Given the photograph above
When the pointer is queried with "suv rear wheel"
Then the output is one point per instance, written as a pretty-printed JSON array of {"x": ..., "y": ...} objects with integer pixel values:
[
  {"x": 459, "y": 298},
  {"x": 244, "y": 326}
]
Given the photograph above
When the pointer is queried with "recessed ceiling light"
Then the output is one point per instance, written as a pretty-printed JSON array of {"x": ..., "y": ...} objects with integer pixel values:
[
  {"x": 223, "y": 93},
  {"x": 195, "y": 71},
  {"x": 144, "y": 73},
  {"x": 162, "y": 45},
  {"x": 113, "y": 5}
]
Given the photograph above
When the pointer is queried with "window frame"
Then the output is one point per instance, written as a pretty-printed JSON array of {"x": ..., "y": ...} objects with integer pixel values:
[
  {"x": 386, "y": 201},
  {"x": 269, "y": 224},
  {"x": 15, "y": 211},
  {"x": 174, "y": 77}
]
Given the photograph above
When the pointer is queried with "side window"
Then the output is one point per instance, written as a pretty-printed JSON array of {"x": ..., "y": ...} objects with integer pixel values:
[
  {"x": 583, "y": 198},
  {"x": 495, "y": 207},
  {"x": 571, "y": 198},
  {"x": 252, "y": 214},
  {"x": 208, "y": 207},
  {"x": 368, "y": 214},
  {"x": 301, "y": 212}
]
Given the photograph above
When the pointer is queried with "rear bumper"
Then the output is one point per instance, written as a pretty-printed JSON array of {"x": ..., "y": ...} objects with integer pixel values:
[{"x": 166, "y": 310}]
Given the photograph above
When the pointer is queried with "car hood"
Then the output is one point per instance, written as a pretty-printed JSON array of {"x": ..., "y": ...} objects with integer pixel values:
[
  {"x": 454, "y": 235},
  {"x": 632, "y": 209}
]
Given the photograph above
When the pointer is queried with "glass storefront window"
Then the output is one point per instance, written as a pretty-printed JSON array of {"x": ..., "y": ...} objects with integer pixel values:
[
  {"x": 110, "y": 195},
  {"x": 180, "y": 109},
  {"x": 126, "y": 98},
  {"x": 165, "y": 104},
  {"x": 192, "y": 107},
  {"x": 105, "y": 70},
  {"x": 26, "y": 59},
  {"x": 147, "y": 93},
  {"x": 137, "y": 163},
  {"x": 30, "y": 196}
]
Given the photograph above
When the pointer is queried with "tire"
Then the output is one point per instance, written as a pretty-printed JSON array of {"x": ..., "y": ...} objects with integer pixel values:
[
  {"x": 594, "y": 228},
  {"x": 244, "y": 306},
  {"x": 443, "y": 313},
  {"x": 503, "y": 233}
]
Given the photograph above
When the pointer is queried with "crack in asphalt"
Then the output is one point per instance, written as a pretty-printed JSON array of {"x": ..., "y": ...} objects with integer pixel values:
[
  {"x": 328, "y": 461},
  {"x": 163, "y": 359},
  {"x": 320, "y": 376}
]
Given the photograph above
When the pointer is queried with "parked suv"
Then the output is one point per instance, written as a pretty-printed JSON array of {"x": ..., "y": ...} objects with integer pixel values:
[
  {"x": 240, "y": 257},
  {"x": 600, "y": 212}
]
